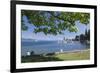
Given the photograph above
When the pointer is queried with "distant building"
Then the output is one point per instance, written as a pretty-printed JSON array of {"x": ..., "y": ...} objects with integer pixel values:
[{"x": 67, "y": 40}]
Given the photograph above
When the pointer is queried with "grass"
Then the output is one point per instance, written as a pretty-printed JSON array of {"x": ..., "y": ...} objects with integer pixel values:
[
  {"x": 74, "y": 55},
  {"x": 78, "y": 55},
  {"x": 38, "y": 58}
]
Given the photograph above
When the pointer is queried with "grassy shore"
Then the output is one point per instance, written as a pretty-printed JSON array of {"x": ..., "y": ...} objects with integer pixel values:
[
  {"x": 77, "y": 55},
  {"x": 66, "y": 56}
]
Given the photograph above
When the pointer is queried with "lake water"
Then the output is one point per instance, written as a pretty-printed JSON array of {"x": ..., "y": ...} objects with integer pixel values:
[{"x": 41, "y": 47}]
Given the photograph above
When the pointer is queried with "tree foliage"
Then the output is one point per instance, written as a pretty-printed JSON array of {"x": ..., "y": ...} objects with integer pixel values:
[
  {"x": 87, "y": 34},
  {"x": 51, "y": 22},
  {"x": 83, "y": 37}
]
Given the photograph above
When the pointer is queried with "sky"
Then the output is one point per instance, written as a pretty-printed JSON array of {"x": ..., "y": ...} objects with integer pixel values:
[{"x": 29, "y": 34}]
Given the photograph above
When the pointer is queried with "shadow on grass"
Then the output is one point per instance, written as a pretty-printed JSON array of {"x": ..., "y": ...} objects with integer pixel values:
[{"x": 38, "y": 58}]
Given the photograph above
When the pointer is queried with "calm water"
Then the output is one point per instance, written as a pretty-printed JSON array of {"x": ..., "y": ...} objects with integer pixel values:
[{"x": 40, "y": 47}]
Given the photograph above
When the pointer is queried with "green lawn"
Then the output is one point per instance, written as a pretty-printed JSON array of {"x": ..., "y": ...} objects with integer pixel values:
[
  {"x": 74, "y": 55},
  {"x": 83, "y": 55}
]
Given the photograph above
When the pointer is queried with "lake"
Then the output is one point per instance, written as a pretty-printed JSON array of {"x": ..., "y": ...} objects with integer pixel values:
[{"x": 43, "y": 47}]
